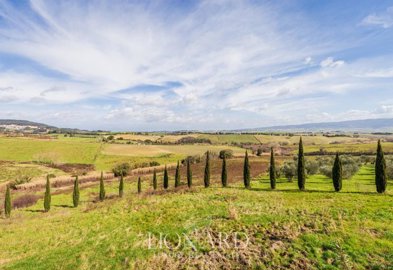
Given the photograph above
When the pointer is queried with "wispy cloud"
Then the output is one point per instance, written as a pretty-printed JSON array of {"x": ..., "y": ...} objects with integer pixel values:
[{"x": 383, "y": 19}]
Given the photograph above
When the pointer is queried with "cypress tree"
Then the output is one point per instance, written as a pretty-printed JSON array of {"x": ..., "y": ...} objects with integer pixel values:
[
  {"x": 301, "y": 173},
  {"x": 47, "y": 197},
  {"x": 206, "y": 178},
  {"x": 154, "y": 179},
  {"x": 166, "y": 178},
  {"x": 246, "y": 172},
  {"x": 139, "y": 185},
  {"x": 177, "y": 175},
  {"x": 75, "y": 194},
  {"x": 121, "y": 186},
  {"x": 224, "y": 175},
  {"x": 7, "y": 202},
  {"x": 380, "y": 170},
  {"x": 102, "y": 187},
  {"x": 337, "y": 173},
  {"x": 189, "y": 174},
  {"x": 272, "y": 170}
]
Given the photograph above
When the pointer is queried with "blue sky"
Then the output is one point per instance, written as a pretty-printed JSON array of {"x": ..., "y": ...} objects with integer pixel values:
[{"x": 170, "y": 65}]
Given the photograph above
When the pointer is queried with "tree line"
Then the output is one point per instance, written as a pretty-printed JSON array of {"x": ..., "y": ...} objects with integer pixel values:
[{"x": 336, "y": 175}]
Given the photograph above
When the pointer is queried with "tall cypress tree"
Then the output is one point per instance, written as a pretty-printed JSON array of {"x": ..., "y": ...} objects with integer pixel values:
[
  {"x": 47, "y": 197},
  {"x": 102, "y": 187},
  {"x": 177, "y": 175},
  {"x": 7, "y": 202},
  {"x": 189, "y": 173},
  {"x": 206, "y": 178},
  {"x": 337, "y": 174},
  {"x": 272, "y": 170},
  {"x": 121, "y": 186},
  {"x": 166, "y": 178},
  {"x": 224, "y": 175},
  {"x": 380, "y": 170},
  {"x": 139, "y": 185},
  {"x": 75, "y": 194},
  {"x": 154, "y": 179},
  {"x": 246, "y": 172},
  {"x": 301, "y": 173}
]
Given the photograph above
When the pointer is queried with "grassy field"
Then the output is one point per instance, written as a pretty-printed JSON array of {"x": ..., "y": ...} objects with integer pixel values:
[
  {"x": 62, "y": 150},
  {"x": 316, "y": 229}
]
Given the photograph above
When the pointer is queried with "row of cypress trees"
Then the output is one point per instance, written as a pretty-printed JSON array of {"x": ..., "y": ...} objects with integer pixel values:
[{"x": 380, "y": 177}]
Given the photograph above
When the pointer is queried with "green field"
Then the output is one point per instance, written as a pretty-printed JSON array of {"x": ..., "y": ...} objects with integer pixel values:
[{"x": 315, "y": 229}]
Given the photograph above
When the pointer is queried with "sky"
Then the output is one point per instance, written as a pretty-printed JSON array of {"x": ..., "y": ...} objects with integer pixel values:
[{"x": 195, "y": 65}]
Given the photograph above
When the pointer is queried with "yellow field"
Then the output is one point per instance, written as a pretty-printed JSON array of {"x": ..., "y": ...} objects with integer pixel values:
[{"x": 157, "y": 150}]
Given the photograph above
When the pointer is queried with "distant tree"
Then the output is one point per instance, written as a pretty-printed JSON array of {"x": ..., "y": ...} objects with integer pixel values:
[
  {"x": 102, "y": 187},
  {"x": 154, "y": 179},
  {"x": 166, "y": 178},
  {"x": 121, "y": 186},
  {"x": 139, "y": 185},
  {"x": 206, "y": 177},
  {"x": 246, "y": 172},
  {"x": 301, "y": 173},
  {"x": 75, "y": 194},
  {"x": 177, "y": 175},
  {"x": 289, "y": 170},
  {"x": 224, "y": 174},
  {"x": 47, "y": 196},
  {"x": 259, "y": 152},
  {"x": 7, "y": 202},
  {"x": 272, "y": 170},
  {"x": 337, "y": 173},
  {"x": 228, "y": 153},
  {"x": 189, "y": 174},
  {"x": 380, "y": 170}
]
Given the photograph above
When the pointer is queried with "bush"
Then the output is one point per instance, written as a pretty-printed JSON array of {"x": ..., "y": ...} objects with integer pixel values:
[
  {"x": 25, "y": 200},
  {"x": 21, "y": 180},
  {"x": 288, "y": 170},
  {"x": 121, "y": 169},
  {"x": 228, "y": 153},
  {"x": 312, "y": 167},
  {"x": 259, "y": 152}
]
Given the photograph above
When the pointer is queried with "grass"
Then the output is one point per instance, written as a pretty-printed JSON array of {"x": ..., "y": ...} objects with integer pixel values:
[
  {"x": 10, "y": 171},
  {"x": 64, "y": 150},
  {"x": 315, "y": 229}
]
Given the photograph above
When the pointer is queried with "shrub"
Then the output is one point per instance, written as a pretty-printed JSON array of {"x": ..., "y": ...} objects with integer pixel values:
[
  {"x": 20, "y": 180},
  {"x": 227, "y": 153},
  {"x": 289, "y": 170},
  {"x": 121, "y": 169},
  {"x": 25, "y": 200},
  {"x": 312, "y": 167},
  {"x": 259, "y": 152}
]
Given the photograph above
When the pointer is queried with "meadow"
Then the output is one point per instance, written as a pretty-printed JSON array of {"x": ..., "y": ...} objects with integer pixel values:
[
  {"x": 315, "y": 229},
  {"x": 202, "y": 228}
]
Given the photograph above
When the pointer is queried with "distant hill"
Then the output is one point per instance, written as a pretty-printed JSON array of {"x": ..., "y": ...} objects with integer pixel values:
[
  {"x": 367, "y": 125},
  {"x": 9, "y": 122}
]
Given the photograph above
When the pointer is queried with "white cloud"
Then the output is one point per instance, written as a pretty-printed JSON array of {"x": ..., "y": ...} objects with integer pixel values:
[
  {"x": 329, "y": 62},
  {"x": 384, "y": 19}
]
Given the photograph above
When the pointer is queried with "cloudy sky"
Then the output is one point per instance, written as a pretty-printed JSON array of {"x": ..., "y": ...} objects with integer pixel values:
[{"x": 215, "y": 64}]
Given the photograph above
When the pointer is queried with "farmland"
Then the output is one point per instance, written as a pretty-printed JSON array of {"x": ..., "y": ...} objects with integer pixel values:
[{"x": 284, "y": 228}]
